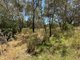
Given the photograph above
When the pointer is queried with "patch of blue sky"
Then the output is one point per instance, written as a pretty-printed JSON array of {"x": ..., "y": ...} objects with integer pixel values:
[{"x": 43, "y": 4}]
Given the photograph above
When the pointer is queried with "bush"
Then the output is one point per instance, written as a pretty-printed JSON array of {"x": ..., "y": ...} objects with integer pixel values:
[
  {"x": 32, "y": 44},
  {"x": 36, "y": 45}
]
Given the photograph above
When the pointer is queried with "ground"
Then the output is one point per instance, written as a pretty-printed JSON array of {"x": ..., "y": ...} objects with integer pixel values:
[{"x": 17, "y": 51}]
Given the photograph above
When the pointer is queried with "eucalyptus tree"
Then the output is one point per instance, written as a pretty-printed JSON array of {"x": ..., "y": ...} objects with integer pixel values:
[
  {"x": 10, "y": 14},
  {"x": 33, "y": 11},
  {"x": 50, "y": 12},
  {"x": 76, "y": 11}
]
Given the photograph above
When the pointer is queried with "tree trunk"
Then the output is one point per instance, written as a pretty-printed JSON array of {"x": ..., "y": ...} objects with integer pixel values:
[
  {"x": 50, "y": 28},
  {"x": 33, "y": 24}
]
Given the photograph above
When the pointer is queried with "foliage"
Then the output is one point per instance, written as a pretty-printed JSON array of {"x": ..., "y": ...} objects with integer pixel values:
[{"x": 53, "y": 27}]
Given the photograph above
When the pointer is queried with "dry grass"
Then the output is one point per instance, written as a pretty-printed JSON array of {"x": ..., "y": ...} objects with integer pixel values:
[
  {"x": 17, "y": 51},
  {"x": 14, "y": 52}
]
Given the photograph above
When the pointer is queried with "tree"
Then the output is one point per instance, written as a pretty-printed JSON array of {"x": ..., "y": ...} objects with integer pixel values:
[{"x": 10, "y": 16}]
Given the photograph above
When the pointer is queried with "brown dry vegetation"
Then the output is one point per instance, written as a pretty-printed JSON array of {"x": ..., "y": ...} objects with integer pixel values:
[{"x": 17, "y": 48}]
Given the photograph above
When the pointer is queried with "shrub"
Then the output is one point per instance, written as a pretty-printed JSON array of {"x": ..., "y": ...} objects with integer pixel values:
[{"x": 32, "y": 43}]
